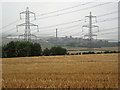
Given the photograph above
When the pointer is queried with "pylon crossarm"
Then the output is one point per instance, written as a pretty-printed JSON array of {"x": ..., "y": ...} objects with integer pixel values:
[
  {"x": 94, "y": 26},
  {"x": 86, "y": 35},
  {"x": 93, "y": 16},
  {"x": 31, "y": 24},
  {"x": 94, "y": 35},
  {"x": 23, "y": 12},
  {"x": 21, "y": 35},
  {"x": 87, "y": 16},
  {"x": 21, "y": 24},
  {"x": 33, "y": 14},
  {"x": 35, "y": 25},
  {"x": 33, "y": 35},
  {"x": 85, "y": 26}
]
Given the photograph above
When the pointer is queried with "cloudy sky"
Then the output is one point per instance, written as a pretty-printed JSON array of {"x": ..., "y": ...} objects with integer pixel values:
[{"x": 68, "y": 17}]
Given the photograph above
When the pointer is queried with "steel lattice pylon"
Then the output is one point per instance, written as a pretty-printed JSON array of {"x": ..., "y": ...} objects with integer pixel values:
[
  {"x": 27, "y": 35},
  {"x": 90, "y": 33}
]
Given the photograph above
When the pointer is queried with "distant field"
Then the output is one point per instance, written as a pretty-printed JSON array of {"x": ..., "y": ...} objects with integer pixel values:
[
  {"x": 78, "y": 49},
  {"x": 81, "y": 71},
  {"x": 83, "y": 49},
  {"x": 104, "y": 48}
]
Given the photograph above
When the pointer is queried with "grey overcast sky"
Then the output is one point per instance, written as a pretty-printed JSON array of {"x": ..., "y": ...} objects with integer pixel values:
[{"x": 47, "y": 17}]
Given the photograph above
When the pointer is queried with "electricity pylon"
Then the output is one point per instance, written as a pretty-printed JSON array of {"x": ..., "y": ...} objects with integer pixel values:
[
  {"x": 56, "y": 33},
  {"x": 27, "y": 35},
  {"x": 90, "y": 33},
  {"x": 56, "y": 36}
]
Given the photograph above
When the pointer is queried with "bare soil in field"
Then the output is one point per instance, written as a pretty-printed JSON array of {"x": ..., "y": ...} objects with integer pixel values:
[{"x": 77, "y": 71}]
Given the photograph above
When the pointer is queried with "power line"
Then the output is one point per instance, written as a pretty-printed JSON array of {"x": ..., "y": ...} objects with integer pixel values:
[
  {"x": 74, "y": 26},
  {"x": 108, "y": 29},
  {"x": 64, "y": 9},
  {"x": 78, "y": 21},
  {"x": 104, "y": 30},
  {"x": 9, "y": 24},
  {"x": 67, "y": 22},
  {"x": 109, "y": 13},
  {"x": 49, "y": 13},
  {"x": 8, "y": 31},
  {"x": 75, "y": 10},
  {"x": 69, "y": 27},
  {"x": 100, "y": 31},
  {"x": 81, "y": 33},
  {"x": 108, "y": 33},
  {"x": 61, "y": 24},
  {"x": 109, "y": 19},
  {"x": 73, "y": 21},
  {"x": 59, "y": 10}
]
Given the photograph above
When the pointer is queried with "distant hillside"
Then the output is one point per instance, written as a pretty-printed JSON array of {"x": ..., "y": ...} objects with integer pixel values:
[
  {"x": 7, "y": 40},
  {"x": 65, "y": 41},
  {"x": 44, "y": 43}
]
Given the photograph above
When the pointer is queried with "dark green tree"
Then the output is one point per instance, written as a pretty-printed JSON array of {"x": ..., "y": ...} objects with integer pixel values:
[
  {"x": 58, "y": 51},
  {"x": 36, "y": 50},
  {"x": 46, "y": 52},
  {"x": 9, "y": 50},
  {"x": 21, "y": 49},
  {"x": 4, "y": 51}
]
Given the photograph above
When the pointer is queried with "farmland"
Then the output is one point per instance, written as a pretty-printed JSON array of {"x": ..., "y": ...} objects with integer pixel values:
[
  {"x": 77, "y": 71},
  {"x": 102, "y": 49}
]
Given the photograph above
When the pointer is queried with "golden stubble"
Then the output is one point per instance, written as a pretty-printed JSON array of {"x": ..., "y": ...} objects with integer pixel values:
[{"x": 77, "y": 71}]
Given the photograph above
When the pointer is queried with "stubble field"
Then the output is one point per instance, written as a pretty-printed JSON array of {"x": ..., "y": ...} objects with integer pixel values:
[{"x": 77, "y": 71}]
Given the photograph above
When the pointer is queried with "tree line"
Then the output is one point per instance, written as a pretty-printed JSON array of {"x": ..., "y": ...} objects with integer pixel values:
[{"x": 26, "y": 49}]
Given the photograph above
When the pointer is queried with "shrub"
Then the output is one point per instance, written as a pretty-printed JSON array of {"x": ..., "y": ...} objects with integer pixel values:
[
  {"x": 91, "y": 52},
  {"x": 88, "y": 53},
  {"x": 77, "y": 53},
  {"x": 68, "y": 53},
  {"x": 46, "y": 52},
  {"x": 58, "y": 51},
  {"x": 72, "y": 53},
  {"x": 85, "y": 53},
  {"x": 99, "y": 53},
  {"x": 106, "y": 51},
  {"x": 80, "y": 53},
  {"x": 113, "y": 52}
]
